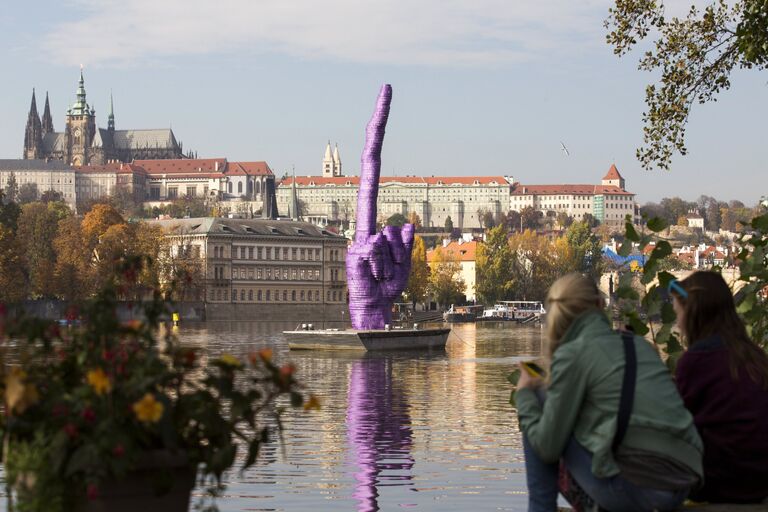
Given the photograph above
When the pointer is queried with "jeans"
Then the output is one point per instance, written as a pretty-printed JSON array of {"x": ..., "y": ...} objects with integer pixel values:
[{"x": 614, "y": 494}]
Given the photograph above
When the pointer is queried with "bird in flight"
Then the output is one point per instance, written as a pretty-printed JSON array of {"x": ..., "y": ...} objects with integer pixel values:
[{"x": 564, "y": 149}]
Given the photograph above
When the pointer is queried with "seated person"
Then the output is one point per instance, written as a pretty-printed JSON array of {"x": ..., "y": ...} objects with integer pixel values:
[
  {"x": 723, "y": 379},
  {"x": 659, "y": 459}
]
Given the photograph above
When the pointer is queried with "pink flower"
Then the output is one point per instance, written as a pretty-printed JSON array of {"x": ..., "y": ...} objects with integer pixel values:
[
  {"x": 89, "y": 415},
  {"x": 287, "y": 370},
  {"x": 92, "y": 492},
  {"x": 71, "y": 430}
]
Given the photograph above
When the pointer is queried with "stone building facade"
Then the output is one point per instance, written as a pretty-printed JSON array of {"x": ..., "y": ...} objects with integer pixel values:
[
  {"x": 82, "y": 142},
  {"x": 263, "y": 262},
  {"x": 45, "y": 175},
  {"x": 465, "y": 199}
]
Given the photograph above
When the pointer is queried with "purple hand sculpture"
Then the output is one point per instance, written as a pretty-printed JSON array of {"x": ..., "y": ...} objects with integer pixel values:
[{"x": 378, "y": 264}]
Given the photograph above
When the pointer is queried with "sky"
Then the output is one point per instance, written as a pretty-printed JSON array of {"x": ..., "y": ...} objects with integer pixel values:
[{"x": 480, "y": 87}]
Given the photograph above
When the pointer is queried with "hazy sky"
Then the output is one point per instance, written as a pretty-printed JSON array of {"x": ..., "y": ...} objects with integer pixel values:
[{"x": 480, "y": 87}]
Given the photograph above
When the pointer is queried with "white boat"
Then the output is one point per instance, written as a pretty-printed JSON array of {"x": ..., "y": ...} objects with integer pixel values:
[
  {"x": 498, "y": 313},
  {"x": 522, "y": 311}
]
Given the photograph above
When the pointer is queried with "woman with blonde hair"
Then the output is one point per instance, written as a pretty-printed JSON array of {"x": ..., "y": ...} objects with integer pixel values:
[
  {"x": 611, "y": 414},
  {"x": 723, "y": 378}
]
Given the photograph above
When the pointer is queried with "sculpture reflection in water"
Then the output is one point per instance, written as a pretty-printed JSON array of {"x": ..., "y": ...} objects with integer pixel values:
[{"x": 378, "y": 429}]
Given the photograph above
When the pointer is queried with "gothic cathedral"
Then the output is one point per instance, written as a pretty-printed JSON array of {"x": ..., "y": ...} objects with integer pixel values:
[{"x": 82, "y": 143}]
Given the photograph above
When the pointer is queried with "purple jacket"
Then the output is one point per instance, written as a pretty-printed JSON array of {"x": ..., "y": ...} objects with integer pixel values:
[{"x": 732, "y": 419}]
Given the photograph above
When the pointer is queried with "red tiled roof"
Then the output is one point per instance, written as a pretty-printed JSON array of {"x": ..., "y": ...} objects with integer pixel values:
[
  {"x": 116, "y": 167},
  {"x": 423, "y": 180},
  {"x": 249, "y": 169},
  {"x": 613, "y": 173},
  {"x": 524, "y": 190},
  {"x": 465, "y": 251},
  {"x": 183, "y": 166}
]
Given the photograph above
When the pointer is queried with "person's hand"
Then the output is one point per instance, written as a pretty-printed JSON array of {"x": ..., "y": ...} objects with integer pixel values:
[
  {"x": 378, "y": 264},
  {"x": 526, "y": 380}
]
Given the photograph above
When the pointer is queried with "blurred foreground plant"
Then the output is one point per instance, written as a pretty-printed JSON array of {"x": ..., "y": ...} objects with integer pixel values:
[{"x": 87, "y": 403}]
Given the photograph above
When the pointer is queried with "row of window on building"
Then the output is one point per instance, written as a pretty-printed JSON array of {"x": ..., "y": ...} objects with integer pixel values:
[
  {"x": 272, "y": 253},
  {"x": 272, "y": 274},
  {"x": 243, "y": 295}
]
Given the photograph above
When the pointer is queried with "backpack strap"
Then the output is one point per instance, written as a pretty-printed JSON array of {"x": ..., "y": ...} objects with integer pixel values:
[{"x": 627, "y": 388}]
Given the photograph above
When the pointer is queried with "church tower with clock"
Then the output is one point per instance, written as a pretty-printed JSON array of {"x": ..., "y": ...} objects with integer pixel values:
[{"x": 80, "y": 128}]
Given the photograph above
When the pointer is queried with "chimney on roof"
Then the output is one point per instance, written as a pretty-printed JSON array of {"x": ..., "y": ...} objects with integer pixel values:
[
  {"x": 446, "y": 241},
  {"x": 217, "y": 166}
]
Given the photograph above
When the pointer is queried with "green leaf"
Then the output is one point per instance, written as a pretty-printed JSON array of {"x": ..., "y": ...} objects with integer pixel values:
[
  {"x": 296, "y": 399},
  {"x": 760, "y": 223},
  {"x": 86, "y": 456},
  {"x": 662, "y": 250},
  {"x": 638, "y": 326},
  {"x": 674, "y": 346},
  {"x": 657, "y": 224},
  {"x": 665, "y": 278},
  {"x": 667, "y": 313},
  {"x": 626, "y": 292},
  {"x": 512, "y": 378},
  {"x": 626, "y": 248},
  {"x": 253, "y": 453},
  {"x": 630, "y": 233}
]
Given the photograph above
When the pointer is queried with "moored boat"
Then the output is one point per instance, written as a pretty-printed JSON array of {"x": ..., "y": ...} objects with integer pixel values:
[{"x": 459, "y": 314}]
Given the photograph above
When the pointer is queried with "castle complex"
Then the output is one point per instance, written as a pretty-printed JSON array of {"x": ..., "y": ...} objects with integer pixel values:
[
  {"x": 83, "y": 143},
  {"x": 332, "y": 197}
]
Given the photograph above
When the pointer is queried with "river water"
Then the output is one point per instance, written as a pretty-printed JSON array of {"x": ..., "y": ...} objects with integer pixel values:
[{"x": 408, "y": 430}]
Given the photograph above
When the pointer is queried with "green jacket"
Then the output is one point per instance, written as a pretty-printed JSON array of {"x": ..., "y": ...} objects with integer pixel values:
[{"x": 583, "y": 400}]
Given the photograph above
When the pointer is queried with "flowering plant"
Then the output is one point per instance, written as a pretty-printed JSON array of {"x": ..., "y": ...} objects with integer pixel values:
[{"x": 86, "y": 403}]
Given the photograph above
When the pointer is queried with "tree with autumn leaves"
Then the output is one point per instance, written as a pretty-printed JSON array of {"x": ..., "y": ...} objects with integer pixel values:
[
  {"x": 523, "y": 266},
  {"x": 48, "y": 252},
  {"x": 446, "y": 285},
  {"x": 418, "y": 281}
]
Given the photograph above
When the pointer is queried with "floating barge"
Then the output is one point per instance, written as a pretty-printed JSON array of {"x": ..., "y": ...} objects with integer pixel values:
[{"x": 373, "y": 340}]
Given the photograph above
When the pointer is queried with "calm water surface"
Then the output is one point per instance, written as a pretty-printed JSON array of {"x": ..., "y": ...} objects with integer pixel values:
[
  {"x": 418, "y": 431},
  {"x": 409, "y": 430}
]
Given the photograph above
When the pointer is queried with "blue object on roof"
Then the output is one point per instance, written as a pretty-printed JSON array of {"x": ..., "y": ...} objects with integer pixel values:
[{"x": 623, "y": 260}]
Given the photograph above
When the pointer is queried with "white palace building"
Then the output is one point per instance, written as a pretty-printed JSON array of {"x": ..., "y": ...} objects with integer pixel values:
[{"x": 332, "y": 197}]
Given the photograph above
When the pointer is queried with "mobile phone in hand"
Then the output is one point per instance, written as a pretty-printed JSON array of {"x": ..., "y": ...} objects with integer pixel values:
[{"x": 534, "y": 370}]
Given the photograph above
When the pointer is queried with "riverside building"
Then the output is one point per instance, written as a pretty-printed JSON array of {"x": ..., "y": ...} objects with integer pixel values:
[{"x": 273, "y": 267}]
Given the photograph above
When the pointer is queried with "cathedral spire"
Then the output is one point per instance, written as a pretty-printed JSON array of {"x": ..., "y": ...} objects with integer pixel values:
[
  {"x": 80, "y": 107},
  {"x": 33, "y": 134},
  {"x": 336, "y": 162},
  {"x": 328, "y": 162},
  {"x": 111, "y": 118},
  {"x": 47, "y": 119}
]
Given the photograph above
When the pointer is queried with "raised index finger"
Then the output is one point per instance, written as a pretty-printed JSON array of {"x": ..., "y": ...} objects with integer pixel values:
[{"x": 370, "y": 168}]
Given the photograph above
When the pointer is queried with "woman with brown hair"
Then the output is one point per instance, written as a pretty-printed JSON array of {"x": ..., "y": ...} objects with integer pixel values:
[
  {"x": 723, "y": 379},
  {"x": 611, "y": 413}
]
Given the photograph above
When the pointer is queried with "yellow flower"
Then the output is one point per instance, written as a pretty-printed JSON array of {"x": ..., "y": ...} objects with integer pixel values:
[
  {"x": 312, "y": 403},
  {"x": 148, "y": 409},
  {"x": 99, "y": 381},
  {"x": 18, "y": 394},
  {"x": 230, "y": 360}
]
